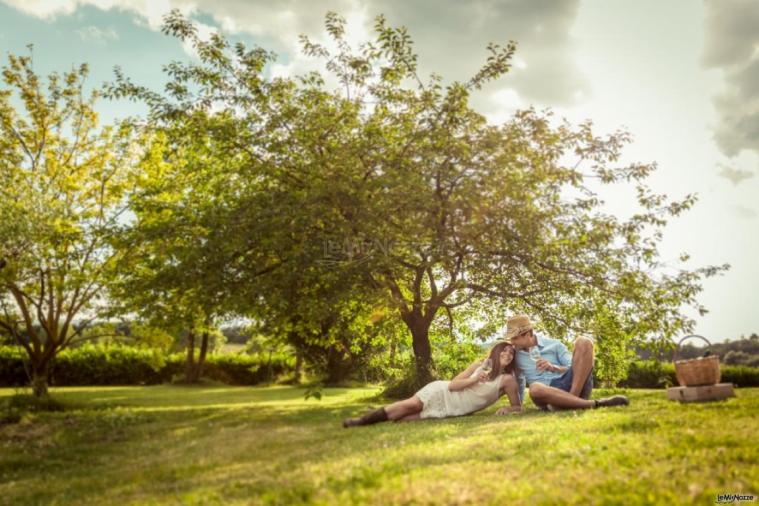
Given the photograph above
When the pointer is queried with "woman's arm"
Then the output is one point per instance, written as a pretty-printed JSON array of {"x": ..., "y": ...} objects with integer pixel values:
[
  {"x": 462, "y": 380},
  {"x": 468, "y": 371},
  {"x": 507, "y": 410}
]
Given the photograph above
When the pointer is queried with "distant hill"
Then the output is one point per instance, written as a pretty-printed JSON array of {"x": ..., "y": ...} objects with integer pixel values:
[{"x": 744, "y": 351}]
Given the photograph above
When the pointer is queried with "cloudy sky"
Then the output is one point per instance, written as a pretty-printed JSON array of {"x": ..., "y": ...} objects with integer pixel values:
[{"x": 682, "y": 76}]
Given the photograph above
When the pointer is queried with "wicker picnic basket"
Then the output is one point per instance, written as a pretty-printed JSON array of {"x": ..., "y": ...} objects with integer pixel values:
[{"x": 696, "y": 371}]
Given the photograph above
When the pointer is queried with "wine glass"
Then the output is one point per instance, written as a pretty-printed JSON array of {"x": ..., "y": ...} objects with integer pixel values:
[
  {"x": 487, "y": 366},
  {"x": 535, "y": 353}
]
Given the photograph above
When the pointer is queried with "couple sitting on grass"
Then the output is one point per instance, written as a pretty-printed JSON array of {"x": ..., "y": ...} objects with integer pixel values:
[{"x": 557, "y": 380}]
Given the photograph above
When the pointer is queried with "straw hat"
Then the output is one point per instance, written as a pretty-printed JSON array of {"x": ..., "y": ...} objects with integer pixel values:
[{"x": 516, "y": 325}]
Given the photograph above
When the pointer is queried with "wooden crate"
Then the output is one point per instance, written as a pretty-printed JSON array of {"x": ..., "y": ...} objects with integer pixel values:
[{"x": 702, "y": 393}]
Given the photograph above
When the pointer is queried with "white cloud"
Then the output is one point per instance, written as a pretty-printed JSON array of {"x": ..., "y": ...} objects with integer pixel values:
[
  {"x": 44, "y": 9},
  {"x": 735, "y": 176},
  {"x": 149, "y": 11},
  {"x": 97, "y": 35},
  {"x": 502, "y": 104},
  {"x": 745, "y": 212},
  {"x": 450, "y": 35},
  {"x": 732, "y": 45}
]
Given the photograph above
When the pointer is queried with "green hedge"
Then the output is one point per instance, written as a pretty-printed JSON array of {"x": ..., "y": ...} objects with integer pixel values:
[
  {"x": 12, "y": 367},
  {"x": 653, "y": 374},
  {"x": 125, "y": 365},
  {"x": 238, "y": 369}
]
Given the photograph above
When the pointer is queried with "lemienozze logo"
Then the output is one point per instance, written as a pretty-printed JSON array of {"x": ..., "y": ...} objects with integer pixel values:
[{"x": 731, "y": 498}]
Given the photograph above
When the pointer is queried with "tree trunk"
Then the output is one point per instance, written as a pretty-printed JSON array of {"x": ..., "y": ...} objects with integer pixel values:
[
  {"x": 339, "y": 365},
  {"x": 39, "y": 380},
  {"x": 189, "y": 373},
  {"x": 298, "y": 367},
  {"x": 420, "y": 341},
  {"x": 201, "y": 357}
]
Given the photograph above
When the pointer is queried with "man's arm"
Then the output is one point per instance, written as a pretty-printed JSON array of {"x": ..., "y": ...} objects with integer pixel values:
[{"x": 563, "y": 357}]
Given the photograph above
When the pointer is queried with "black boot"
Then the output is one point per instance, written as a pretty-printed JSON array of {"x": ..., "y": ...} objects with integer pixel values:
[
  {"x": 617, "y": 400},
  {"x": 376, "y": 416}
]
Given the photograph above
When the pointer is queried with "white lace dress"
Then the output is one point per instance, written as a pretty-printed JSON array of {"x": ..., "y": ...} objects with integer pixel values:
[{"x": 439, "y": 402}]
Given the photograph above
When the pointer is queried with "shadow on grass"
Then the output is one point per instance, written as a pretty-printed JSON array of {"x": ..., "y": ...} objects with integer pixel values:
[{"x": 187, "y": 397}]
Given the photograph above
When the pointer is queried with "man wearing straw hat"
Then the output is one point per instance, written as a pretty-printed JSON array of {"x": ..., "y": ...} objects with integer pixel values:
[{"x": 557, "y": 379}]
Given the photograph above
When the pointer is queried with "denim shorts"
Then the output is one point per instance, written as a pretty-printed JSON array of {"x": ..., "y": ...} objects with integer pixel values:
[{"x": 564, "y": 382}]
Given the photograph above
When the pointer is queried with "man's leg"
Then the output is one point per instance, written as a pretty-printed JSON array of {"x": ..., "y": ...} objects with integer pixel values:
[
  {"x": 582, "y": 364},
  {"x": 543, "y": 394}
]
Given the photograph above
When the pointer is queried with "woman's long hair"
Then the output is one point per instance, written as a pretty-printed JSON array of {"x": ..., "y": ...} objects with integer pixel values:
[{"x": 495, "y": 358}]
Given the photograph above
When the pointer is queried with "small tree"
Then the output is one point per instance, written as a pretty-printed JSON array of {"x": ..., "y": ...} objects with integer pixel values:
[
  {"x": 218, "y": 216},
  {"x": 177, "y": 270},
  {"x": 62, "y": 186}
]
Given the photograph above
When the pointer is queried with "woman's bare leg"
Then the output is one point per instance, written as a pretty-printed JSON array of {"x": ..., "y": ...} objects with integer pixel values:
[
  {"x": 511, "y": 389},
  {"x": 402, "y": 409},
  {"x": 410, "y": 418}
]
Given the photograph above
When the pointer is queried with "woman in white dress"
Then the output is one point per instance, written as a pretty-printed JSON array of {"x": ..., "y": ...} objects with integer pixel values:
[{"x": 472, "y": 390}]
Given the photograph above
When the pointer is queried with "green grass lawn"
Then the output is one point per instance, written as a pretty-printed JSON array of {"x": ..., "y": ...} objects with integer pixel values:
[{"x": 235, "y": 445}]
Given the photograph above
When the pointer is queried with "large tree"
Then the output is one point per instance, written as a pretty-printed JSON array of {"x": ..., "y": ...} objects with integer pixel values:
[
  {"x": 63, "y": 181},
  {"x": 416, "y": 197},
  {"x": 459, "y": 210}
]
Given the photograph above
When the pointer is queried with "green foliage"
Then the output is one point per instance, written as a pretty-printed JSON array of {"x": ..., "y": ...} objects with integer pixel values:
[
  {"x": 216, "y": 340},
  {"x": 13, "y": 371},
  {"x": 306, "y": 206},
  {"x": 649, "y": 374},
  {"x": 63, "y": 180},
  {"x": 14, "y": 408},
  {"x": 740, "y": 375},
  {"x": 238, "y": 369},
  {"x": 131, "y": 333},
  {"x": 238, "y": 334},
  {"x": 127, "y": 365},
  {"x": 108, "y": 365},
  {"x": 314, "y": 391},
  {"x": 612, "y": 346},
  {"x": 311, "y": 209},
  {"x": 147, "y": 336},
  {"x": 613, "y": 356},
  {"x": 408, "y": 383},
  {"x": 655, "y": 374},
  {"x": 453, "y": 357},
  {"x": 9, "y": 414}
]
